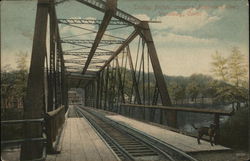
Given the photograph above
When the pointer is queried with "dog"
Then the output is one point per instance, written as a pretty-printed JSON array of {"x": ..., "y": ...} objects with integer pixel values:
[{"x": 209, "y": 131}]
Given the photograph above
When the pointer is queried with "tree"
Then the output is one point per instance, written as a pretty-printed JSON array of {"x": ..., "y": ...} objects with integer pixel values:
[
  {"x": 193, "y": 90},
  {"x": 14, "y": 82},
  {"x": 237, "y": 67},
  {"x": 177, "y": 91},
  {"x": 198, "y": 86},
  {"x": 219, "y": 66},
  {"x": 22, "y": 58},
  {"x": 22, "y": 76},
  {"x": 233, "y": 72}
]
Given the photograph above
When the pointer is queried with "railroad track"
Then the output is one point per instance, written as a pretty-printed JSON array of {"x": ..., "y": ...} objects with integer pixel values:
[{"x": 129, "y": 144}]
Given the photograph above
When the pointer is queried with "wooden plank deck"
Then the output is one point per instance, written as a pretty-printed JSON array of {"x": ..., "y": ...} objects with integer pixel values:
[
  {"x": 80, "y": 142},
  {"x": 180, "y": 141}
]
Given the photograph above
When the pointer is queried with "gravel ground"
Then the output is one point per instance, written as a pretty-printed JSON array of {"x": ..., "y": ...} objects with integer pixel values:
[{"x": 223, "y": 156}]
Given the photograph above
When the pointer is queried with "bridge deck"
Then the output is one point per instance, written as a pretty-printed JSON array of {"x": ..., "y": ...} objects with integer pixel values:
[
  {"x": 183, "y": 142},
  {"x": 79, "y": 142}
]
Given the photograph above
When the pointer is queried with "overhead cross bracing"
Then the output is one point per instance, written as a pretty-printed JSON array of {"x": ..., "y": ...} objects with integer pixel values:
[
  {"x": 100, "y": 43},
  {"x": 83, "y": 54},
  {"x": 105, "y": 42},
  {"x": 120, "y": 15},
  {"x": 110, "y": 10},
  {"x": 117, "y": 59},
  {"x": 90, "y": 21},
  {"x": 83, "y": 61}
]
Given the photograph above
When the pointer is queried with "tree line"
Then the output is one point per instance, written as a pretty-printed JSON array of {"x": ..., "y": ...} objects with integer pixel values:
[
  {"x": 229, "y": 84},
  {"x": 14, "y": 83}
]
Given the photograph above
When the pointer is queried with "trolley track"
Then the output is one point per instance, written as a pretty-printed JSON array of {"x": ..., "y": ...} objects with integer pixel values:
[{"x": 129, "y": 144}]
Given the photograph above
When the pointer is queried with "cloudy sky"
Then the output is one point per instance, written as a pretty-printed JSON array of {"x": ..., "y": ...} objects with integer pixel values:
[{"x": 189, "y": 33}]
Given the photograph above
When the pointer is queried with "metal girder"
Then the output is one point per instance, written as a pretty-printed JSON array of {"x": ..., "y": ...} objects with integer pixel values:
[
  {"x": 120, "y": 80},
  {"x": 146, "y": 35},
  {"x": 56, "y": 3},
  {"x": 126, "y": 42},
  {"x": 73, "y": 67},
  {"x": 52, "y": 77},
  {"x": 103, "y": 42},
  {"x": 63, "y": 71},
  {"x": 135, "y": 84},
  {"x": 93, "y": 31},
  {"x": 79, "y": 68},
  {"x": 83, "y": 61},
  {"x": 90, "y": 21},
  {"x": 110, "y": 9},
  {"x": 34, "y": 102},
  {"x": 80, "y": 76},
  {"x": 85, "y": 54},
  {"x": 120, "y": 15}
]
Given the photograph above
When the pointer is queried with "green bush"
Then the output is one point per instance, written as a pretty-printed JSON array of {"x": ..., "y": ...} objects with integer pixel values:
[{"x": 234, "y": 133}]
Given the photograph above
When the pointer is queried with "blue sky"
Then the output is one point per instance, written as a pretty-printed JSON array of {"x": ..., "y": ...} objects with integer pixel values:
[{"x": 189, "y": 33}]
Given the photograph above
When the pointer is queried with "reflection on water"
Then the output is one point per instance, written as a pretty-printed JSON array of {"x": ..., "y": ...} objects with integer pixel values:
[{"x": 186, "y": 119}]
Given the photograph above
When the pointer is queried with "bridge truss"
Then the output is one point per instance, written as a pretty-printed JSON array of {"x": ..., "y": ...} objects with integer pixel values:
[{"x": 112, "y": 69}]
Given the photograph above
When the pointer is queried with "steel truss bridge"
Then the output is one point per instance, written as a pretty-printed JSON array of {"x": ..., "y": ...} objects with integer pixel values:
[{"x": 111, "y": 63}]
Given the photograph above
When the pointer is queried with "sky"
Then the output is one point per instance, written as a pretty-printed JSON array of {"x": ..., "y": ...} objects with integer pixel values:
[{"x": 190, "y": 32}]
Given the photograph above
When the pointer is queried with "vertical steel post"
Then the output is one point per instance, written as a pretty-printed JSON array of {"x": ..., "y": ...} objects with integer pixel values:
[
  {"x": 52, "y": 61},
  {"x": 120, "y": 87},
  {"x": 146, "y": 35},
  {"x": 98, "y": 91},
  {"x": 34, "y": 103},
  {"x": 106, "y": 88},
  {"x": 101, "y": 90},
  {"x": 135, "y": 84}
]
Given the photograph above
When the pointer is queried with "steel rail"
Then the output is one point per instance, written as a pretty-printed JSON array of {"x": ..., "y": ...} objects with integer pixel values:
[
  {"x": 136, "y": 146},
  {"x": 175, "y": 153},
  {"x": 120, "y": 150}
]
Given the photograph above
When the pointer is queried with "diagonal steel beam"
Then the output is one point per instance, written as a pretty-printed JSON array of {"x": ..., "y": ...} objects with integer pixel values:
[
  {"x": 146, "y": 34},
  {"x": 126, "y": 42},
  {"x": 162, "y": 87},
  {"x": 110, "y": 10},
  {"x": 120, "y": 15}
]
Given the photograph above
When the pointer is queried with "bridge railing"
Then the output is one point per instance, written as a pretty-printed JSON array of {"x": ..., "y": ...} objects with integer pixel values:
[
  {"x": 21, "y": 139},
  {"x": 53, "y": 123},
  {"x": 147, "y": 112}
]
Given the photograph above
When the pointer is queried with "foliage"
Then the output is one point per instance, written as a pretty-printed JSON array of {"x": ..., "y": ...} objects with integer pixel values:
[
  {"x": 233, "y": 72},
  {"x": 220, "y": 68},
  {"x": 14, "y": 82},
  {"x": 177, "y": 91},
  {"x": 234, "y": 133},
  {"x": 237, "y": 68}
]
